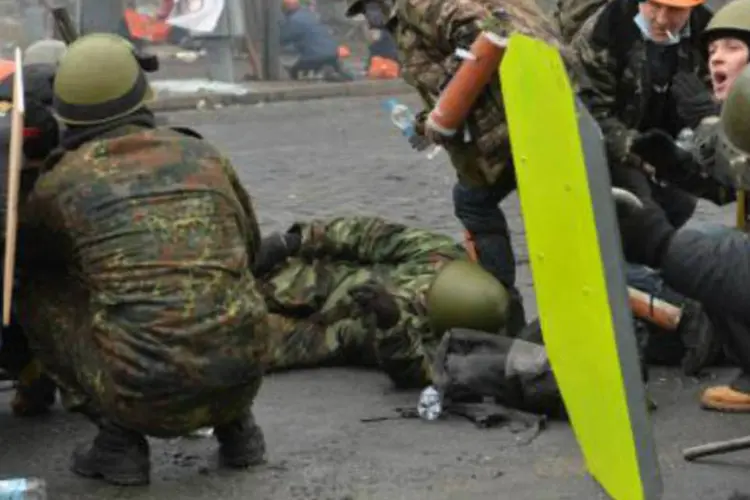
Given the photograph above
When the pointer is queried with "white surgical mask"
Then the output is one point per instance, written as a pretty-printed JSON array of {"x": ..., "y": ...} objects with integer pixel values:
[{"x": 642, "y": 24}]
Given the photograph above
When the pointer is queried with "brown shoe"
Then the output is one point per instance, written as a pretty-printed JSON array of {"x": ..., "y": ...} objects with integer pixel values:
[{"x": 725, "y": 398}]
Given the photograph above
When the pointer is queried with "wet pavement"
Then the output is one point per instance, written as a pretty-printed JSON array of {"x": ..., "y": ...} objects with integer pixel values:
[{"x": 342, "y": 157}]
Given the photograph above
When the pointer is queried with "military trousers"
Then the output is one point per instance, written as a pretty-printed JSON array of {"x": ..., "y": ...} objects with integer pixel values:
[{"x": 64, "y": 334}]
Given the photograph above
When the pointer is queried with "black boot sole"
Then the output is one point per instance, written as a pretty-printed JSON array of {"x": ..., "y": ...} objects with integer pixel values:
[{"x": 119, "y": 479}]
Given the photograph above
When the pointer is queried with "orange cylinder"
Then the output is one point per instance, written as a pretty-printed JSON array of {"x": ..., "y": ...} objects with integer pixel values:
[
  {"x": 653, "y": 310},
  {"x": 459, "y": 95},
  {"x": 7, "y": 68}
]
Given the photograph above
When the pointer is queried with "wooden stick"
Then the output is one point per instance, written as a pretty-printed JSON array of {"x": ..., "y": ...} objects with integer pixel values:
[
  {"x": 716, "y": 448},
  {"x": 14, "y": 180},
  {"x": 656, "y": 311}
]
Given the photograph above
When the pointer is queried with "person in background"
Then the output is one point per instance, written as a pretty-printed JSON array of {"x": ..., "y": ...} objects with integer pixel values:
[
  {"x": 382, "y": 61},
  {"x": 316, "y": 47}
]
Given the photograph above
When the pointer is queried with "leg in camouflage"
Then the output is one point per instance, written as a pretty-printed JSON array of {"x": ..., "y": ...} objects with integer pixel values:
[
  {"x": 62, "y": 333},
  {"x": 35, "y": 392}
]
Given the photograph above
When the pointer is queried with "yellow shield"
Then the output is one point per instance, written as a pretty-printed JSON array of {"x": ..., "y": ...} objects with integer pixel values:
[{"x": 575, "y": 255}]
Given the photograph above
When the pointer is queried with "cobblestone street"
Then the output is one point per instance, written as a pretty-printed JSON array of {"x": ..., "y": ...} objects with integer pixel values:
[{"x": 339, "y": 157}]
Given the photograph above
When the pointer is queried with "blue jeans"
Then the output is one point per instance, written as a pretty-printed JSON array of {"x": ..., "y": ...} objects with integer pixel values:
[{"x": 477, "y": 207}]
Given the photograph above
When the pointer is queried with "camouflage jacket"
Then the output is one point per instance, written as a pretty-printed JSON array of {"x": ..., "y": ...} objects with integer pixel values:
[
  {"x": 428, "y": 32},
  {"x": 339, "y": 253},
  {"x": 612, "y": 51},
  {"x": 158, "y": 230}
]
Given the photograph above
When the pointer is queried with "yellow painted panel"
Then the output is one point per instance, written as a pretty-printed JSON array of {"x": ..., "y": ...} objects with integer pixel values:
[{"x": 567, "y": 264}]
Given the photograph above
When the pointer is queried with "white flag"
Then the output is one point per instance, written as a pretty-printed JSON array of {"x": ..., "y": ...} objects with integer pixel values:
[{"x": 197, "y": 15}]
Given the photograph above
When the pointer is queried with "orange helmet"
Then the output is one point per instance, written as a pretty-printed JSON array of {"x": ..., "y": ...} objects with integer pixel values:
[{"x": 680, "y": 4}]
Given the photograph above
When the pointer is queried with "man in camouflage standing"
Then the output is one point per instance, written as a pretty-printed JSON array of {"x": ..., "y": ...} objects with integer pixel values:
[
  {"x": 370, "y": 292},
  {"x": 428, "y": 32},
  {"x": 136, "y": 293}
]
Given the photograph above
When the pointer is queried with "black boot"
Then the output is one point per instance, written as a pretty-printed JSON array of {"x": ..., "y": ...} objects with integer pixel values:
[
  {"x": 241, "y": 443},
  {"x": 117, "y": 456}
]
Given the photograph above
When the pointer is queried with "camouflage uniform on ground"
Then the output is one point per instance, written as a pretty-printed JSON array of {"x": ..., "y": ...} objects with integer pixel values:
[{"x": 313, "y": 319}]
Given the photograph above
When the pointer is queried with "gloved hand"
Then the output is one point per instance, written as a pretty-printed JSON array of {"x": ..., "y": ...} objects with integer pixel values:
[
  {"x": 693, "y": 99},
  {"x": 275, "y": 249},
  {"x": 658, "y": 149},
  {"x": 644, "y": 228},
  {"x": 372, "y": 298},
  {"x": 419, "y": 140}
]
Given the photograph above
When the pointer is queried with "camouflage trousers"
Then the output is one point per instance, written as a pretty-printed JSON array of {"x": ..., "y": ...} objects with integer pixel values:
[
  {"x": 63, "y": 335},
  {"x": 312, "y": 342}
]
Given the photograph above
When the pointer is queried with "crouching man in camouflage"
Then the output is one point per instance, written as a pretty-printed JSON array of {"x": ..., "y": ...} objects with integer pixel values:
[{"x": 135, "y": 249}]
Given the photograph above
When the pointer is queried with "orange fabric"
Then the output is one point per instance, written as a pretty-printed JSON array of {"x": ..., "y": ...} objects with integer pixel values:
[
  {"x": 147, "y": 28},
  {"x": 7, "y": 67},
  {"x": 680, "y": 4},
  {"x": 344, "y": 51},
  {"x": 471, "y": 248},
  {"x": 382, "y": 68}
]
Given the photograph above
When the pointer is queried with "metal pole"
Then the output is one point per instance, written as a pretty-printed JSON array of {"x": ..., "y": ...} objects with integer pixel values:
[
  {"x": 97, "y": 16},
  {"x": 219, "y": 49},
  {"x": 34, "y": 19},
  {"x": 271, "y": 40}
]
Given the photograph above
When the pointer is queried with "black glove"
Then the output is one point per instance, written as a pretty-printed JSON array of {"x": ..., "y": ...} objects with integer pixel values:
[
  {"x": 693, "y": 99},
  {"x": 658, "y": 149},
  {"x": 274, "y": 250},
  {"x": 41, "y": 130},
  {"x": 418, "y": 140},
  {"x": 372, "y": 298},
  {"x": 645, "y": 231}
]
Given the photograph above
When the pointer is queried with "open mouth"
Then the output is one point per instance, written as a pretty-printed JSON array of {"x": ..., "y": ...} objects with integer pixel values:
[{"x": 719, "y": 78}]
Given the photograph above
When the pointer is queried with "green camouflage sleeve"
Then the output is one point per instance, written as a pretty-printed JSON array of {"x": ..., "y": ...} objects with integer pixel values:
[
  {"x": 251, "y": 228},
  {"x": 373, "y": 240},
  {"x": 41, "y": 227},
  {"x": 404, "y": 352},
  {"x": 600, "y": 94},
  {"x": 447, "y": 25}
]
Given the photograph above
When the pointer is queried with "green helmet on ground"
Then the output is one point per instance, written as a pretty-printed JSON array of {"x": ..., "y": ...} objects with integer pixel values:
[
  {"x": 735, "y": 114},
  {"x": 464, "y": 295},
  {"x": 99, "y": 80},
  {"x": 732, "y": 20}
]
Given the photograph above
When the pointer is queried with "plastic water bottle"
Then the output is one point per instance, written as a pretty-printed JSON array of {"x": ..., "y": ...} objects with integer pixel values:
[
  {"x": 403, "y": 119},
  {"x": 430, "y": 405},
  {"x": 401, "y": 116},
  {"x": 30, "y": 488}
]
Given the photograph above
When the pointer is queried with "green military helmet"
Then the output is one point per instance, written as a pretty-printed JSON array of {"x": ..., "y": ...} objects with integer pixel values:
[
  {"x": 735, "y": 113},
  {"x": 732, "y": 20},
  {"x": 99, "y": 80},
  {"x": 464, "y": 295}
]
